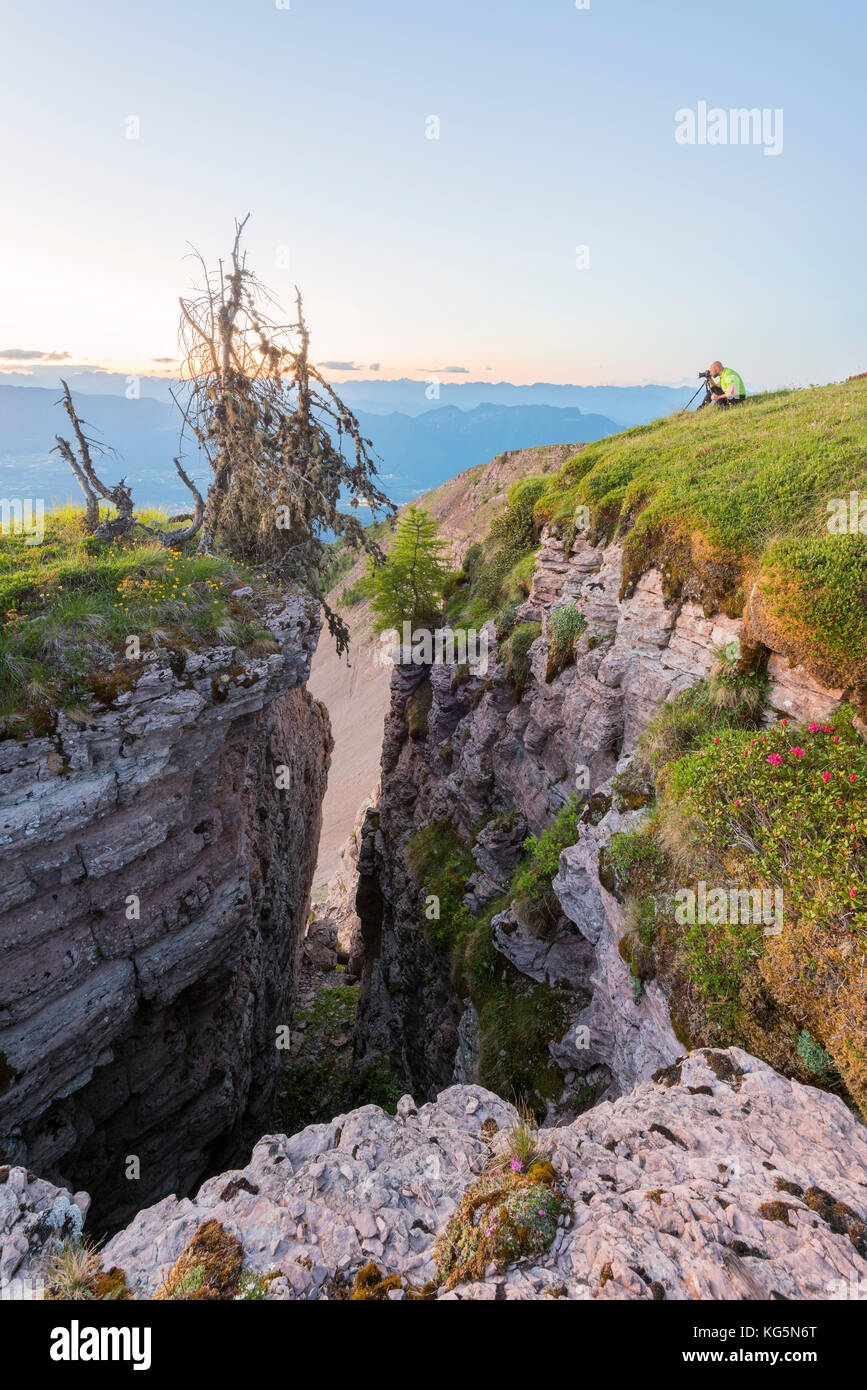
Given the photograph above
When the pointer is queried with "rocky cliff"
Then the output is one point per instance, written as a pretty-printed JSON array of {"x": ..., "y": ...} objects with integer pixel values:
[
  {"x": 357, "y": 691},
  {"x": 497, "y": 765},
  {"x": 158, "y": 855},
  {"x": 715, "y": 1179}
]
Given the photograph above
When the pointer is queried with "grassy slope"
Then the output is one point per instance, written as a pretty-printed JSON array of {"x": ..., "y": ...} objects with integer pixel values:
[
  {"x": 67, "y": 607},
  {"x": 724, "y": 501}
]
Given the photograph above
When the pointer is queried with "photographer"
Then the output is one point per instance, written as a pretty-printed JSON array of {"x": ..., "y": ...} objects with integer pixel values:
[{"x": 727, "y": 390}]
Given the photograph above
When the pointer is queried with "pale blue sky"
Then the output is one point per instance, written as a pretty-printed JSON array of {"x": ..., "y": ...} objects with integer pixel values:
[{"x": 557, "y": 130}]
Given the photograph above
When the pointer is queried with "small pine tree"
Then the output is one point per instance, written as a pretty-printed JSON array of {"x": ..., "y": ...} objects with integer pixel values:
[{"x": 409, "y": 586}]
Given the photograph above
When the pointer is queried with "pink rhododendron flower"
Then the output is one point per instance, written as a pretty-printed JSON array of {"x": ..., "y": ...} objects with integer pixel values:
[
  {"x": 853, "y": 777},
  {"x": 853, "y": 892},
  {"x": 797, "y": 752},
  {"x": 774, "y": 758},
  {"x": 814, "y": 728},
  {"x": 826, "y": 776}
]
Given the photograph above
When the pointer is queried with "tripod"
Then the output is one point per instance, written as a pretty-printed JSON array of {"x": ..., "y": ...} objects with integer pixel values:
[{"x": 705, "y": 386}]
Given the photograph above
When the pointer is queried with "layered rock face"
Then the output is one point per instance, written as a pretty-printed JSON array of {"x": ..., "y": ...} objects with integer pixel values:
[
  {"x": 158, "y": 857},
  {"x": 497, "y": 768},
  {"x": 715, "y": 1179}
]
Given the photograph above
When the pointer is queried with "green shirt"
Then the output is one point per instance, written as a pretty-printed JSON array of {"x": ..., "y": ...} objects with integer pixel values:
[{"x": 728, "y": 379}]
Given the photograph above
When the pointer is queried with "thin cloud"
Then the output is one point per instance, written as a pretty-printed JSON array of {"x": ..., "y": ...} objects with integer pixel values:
[
  {"x": 350, "y": 366},
  {"x": 167, "y": 360},
  {"x": 31, "y": 355},
  {"x": 446, "y": 371}
]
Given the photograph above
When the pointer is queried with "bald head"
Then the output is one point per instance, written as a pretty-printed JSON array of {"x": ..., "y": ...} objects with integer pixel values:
[{"x": 715, "y": 368}]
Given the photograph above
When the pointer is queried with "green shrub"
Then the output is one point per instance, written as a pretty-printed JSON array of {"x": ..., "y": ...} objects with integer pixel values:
[
  {"x": 502, "y": 1218},
  {"x": 533, "y": 879},
  {"x": 514, "y": 654},
  {"x": 782, "y": 811},
  {"x": 356, "y": 593},
  {"x": 631, "y": 861},
  {"x": 418, "y": 707},
  {"x": 517, "y": 1018},
  {"x": 798, "y": 798},
  {"x": 316, "y": 1083},
  {"x": 565, "y": 626},
  {"x": 377, "y": 1084},
  {"x": 440, "y": 866},
  {"x": 501, "y": 569},
  {"x": 506, "y": 619},
  {"x": 814, "y": 1057}
]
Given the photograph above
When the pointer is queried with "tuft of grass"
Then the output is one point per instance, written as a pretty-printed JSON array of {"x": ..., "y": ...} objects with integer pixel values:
[
  {"x": 519, "y": 1146},
  {"x": 75, "y": 1273},
  {"x": 727, "y": 700}
]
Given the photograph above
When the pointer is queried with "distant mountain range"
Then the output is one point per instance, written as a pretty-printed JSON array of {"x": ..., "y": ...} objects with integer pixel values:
[
  {"x": 627, "y": 405},
  {"x": 420, "y": 452},
  {"x": 419, "y": 447}
]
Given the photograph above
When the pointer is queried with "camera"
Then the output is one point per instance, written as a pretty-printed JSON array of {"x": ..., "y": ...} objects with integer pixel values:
[{"x": 706, "y": 375}]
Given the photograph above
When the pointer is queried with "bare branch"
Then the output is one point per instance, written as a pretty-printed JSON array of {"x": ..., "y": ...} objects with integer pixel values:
[
  {"x": 91, "y": 503},
  {"x": 276, "y": 435},
  {"x": 121, "y": 497}
]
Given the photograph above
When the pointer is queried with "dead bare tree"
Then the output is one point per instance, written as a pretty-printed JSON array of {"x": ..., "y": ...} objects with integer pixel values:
[
  {"x": 274, "y": 432},
  {"x": 124, "y": 523}
]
